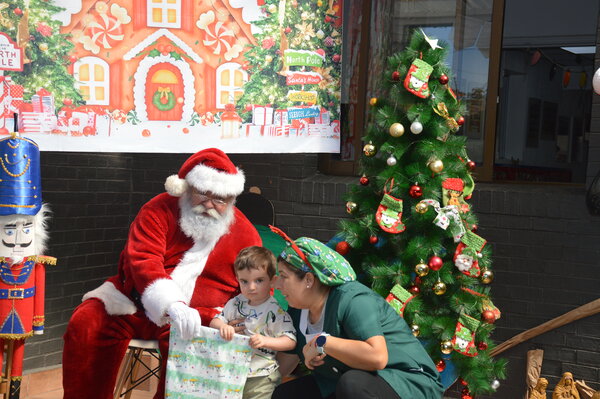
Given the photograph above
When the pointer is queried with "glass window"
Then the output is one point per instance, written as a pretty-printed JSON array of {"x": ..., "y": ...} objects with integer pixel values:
[
  {"x": 545, "y": 91},
  {"x": 92, "y": 79},
  {"x": 164, "y": 13},
  {"x": 230, "y": 79}
]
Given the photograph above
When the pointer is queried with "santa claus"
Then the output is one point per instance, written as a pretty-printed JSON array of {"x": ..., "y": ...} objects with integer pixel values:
[{"x": 176, "y": 268}]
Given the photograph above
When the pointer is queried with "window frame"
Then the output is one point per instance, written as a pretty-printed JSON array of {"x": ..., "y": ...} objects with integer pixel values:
[
  {"x": 91, "y": 83},
  {"x": 232, "y": 67},
  {"x": 164, "y": 6}
]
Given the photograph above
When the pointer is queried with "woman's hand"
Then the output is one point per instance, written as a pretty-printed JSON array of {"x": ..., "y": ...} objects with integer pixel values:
[
  {"x": 312, "y": 358},
  {"x": 239, "y": 325}
]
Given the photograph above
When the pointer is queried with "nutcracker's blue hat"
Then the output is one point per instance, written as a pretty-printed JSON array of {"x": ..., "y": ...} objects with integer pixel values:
[{"x": 20, "y": 177}]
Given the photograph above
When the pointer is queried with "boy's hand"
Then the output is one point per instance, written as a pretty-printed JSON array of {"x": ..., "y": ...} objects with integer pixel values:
[
  {"x": 258, "y": 341},
  {"x": 227, "y": 332}
]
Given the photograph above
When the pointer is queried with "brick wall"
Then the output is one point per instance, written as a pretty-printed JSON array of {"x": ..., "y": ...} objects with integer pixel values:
[{"x": 545, "y": 245}]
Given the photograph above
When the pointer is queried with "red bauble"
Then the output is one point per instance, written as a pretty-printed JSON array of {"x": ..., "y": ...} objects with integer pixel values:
[
  {"x": 342, "y": 247},
  {"x": 435, "y": 263},
  {"x": 73, "y": 59},
  {"x": 440, "y": 365},
  {"x": 248, "y": 107},
  {"x": 463, "y": 382},
  {"x": 443, "y": 79},
  {"x": 418, "y": 280},
  {"x": 336, "y": 58},
  {"x": 4, "y": 131},
  {"x": 68, "y": 102},
  {"x": 415, "y": 191},
  {"x": 474, "y": 228},
  {"x": 328, "y": 19},
  {"x": 18, "y": 11},
  {"x": 488, "y": 316},
  {"x": 466, "y": 397},
  {"x": 288, "y": 30},
  {"x": 460, "y": 120},
  {"x": 373, "y": 239},
  {"x": 482, "y": 346},
  {"x": 396, "y": 75},
  {"x": 470, "y": 165},
  {"x": 364, "y": 180},
  {"x": 413, "y": 289}
]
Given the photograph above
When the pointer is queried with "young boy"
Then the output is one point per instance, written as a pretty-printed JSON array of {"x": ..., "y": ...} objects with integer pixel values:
[{"x": 269, "y": 327}]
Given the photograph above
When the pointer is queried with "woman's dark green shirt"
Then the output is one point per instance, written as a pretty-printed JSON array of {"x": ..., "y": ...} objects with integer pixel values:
[{"x": 354, "y": 311}]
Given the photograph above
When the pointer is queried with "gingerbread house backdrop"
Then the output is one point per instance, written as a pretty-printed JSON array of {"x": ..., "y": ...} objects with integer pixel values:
[{"x": 180, "y": 75}]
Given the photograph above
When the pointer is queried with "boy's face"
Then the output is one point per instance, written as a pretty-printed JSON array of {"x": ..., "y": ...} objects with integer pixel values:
[{"x": 255, "y": 285}]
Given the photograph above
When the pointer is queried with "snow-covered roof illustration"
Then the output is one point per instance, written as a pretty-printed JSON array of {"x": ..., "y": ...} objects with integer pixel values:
[{"x": 155, "y": 36}]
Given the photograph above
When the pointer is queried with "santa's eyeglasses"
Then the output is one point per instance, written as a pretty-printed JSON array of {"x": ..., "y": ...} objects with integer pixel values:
[{"x": 202, "y": 198}]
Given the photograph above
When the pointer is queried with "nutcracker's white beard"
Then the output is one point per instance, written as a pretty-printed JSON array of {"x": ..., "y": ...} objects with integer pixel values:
[{"x": 201, "y": 228}]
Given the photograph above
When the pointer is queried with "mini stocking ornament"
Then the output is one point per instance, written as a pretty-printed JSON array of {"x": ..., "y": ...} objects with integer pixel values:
[
  {"x": 417, "y": 78},
  {"x": 453, "y": 194},
  {"x": 488, "y": 305},
  {"x": 467, "y": 251},
  {"x": 464, "y": 335},
  {"x": 399, "y": 298},
  {"x": 389, "y": 215}
]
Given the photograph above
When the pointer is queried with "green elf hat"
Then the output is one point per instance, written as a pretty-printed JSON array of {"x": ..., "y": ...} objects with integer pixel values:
[{"x": 310, "y": 255}]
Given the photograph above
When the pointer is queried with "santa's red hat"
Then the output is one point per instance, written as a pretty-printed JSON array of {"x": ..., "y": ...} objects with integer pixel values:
[{"x": 209, "y": 170}]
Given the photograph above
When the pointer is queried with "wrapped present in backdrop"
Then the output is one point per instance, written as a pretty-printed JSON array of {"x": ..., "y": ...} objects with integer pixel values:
[{"x": 262, "y": 115}]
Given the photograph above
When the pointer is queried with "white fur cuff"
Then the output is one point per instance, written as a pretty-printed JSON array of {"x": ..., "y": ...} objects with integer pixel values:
[
  {"x": 115, "y": 303},
  {"x": 157, "y": 298}
]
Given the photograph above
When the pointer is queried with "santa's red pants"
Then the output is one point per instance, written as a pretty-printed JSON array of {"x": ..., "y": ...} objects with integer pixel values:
[{"x": 95, "y": 343}]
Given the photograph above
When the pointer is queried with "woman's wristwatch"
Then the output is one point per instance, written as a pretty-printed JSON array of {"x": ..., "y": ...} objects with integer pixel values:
[{"x": 320, "y": 343}]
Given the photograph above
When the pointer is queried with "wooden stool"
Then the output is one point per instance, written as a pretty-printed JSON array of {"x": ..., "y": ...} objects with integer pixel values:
[{"x": 133, "y": 359}]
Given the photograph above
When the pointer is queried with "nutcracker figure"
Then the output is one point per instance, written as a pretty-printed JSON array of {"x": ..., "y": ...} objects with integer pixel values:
[{"x": 23, "y": 236}]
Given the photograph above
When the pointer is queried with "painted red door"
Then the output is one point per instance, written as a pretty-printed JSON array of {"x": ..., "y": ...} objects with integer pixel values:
[{"x": 164, "y": 93}]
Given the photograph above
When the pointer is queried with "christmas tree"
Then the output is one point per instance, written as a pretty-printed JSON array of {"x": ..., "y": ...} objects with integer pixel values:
[
  {"x": 31, "y": 24},
  {"x": 308, "y": 33},
  {"x": 412, "y": 234}
]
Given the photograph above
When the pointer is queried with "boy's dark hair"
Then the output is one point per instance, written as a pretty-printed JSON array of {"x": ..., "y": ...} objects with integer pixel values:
[{"x": 255, "y": 257}]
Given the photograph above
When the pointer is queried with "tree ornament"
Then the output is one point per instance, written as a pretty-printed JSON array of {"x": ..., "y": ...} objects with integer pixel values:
[
  {"x": 294, "y": 3},
  {"x": 435, "y": 263},
  {"x": 436, "y": 166},
  {"x": 421, "y": 207},
  {"x": 421, "y": 269},
  {"x": 342, "y": 248},
  {"x": 18, "y": 11},
  {"x": 495, "y": 384},
  {"x": 320, "y": 34},
  {"x": 474, "y": 228},
  {"x": 416, "y": 127},
  {"x": 373, "y": 101},
  {"x": 398, "y": 298},
  {"x": 446, "y": 347},
  {"x": 415, "y": 191},
  {"x": 364, "y": 180},
  {"x": 439, "y": 288},
  {"x": 336, "y": 58},
  {"x": 462, "y": 382},
  {"x": 471, "y": 165},
  {"x": 73, "y": 59},
  {"x": 452, "y": 194},
  {"x": 351, "y": 207},
  {"x": 487, "y": 276},
  {"x": 415, "y": 329},
  {"x": 269, "y": 58},
  {"x": 43, "y": 47},
  {"x": 465, "y": 391},
  {"x": 369, "y": 150},
  {"x": 395, "y": 75},
  {"x": 482, "y": 346},
  {"x": 396, "y": 130},
  {"x": 272, "y": 8},
  {"x": 67, "y": 101},
  {"x": 464, "y": 335},
  {"x": 391, "y": 161},
  {"x": 488, "y": 316},
  {"x": 389, "y": 214},
  {"x": 466, "y": 254},
  {"x": 443, "y": 79},
  {"x": 373, "y": 240},
  {"x": 414, "y": 289},
  {"x": 460, "y": 120},
  {"x": 417, "y": 78},
  {"x": 440, "y": 365}
]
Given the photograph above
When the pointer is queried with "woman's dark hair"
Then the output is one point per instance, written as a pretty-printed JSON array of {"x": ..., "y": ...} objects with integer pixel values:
[{"x": 299, "y": 273}]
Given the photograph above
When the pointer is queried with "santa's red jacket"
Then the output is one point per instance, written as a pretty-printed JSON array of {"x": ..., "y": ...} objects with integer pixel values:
[{"x": 160, "y": 265}]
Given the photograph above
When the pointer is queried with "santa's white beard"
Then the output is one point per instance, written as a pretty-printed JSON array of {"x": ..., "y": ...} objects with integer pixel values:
[{"x": 203, "y": 229}]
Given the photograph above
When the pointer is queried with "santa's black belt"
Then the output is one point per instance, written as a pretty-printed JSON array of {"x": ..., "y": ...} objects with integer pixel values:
[{"x": 17, "y": 293}]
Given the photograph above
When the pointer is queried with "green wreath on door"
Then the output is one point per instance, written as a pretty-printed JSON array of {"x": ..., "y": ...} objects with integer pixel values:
[{"x": 163, "y": 99}]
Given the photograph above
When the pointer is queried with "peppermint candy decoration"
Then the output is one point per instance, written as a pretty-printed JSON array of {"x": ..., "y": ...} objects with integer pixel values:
[
  {"x": 218, "y": 37},
  {"x": 106, "y": 31}
]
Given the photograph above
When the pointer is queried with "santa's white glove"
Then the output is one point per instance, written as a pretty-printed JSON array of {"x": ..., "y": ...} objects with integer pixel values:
[{"x": 185, "y": 319}]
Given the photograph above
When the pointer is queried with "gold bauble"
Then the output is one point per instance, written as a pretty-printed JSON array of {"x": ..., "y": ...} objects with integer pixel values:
[
  {"x": 487, "y": 276},
  {"x": 422, "y": 269},
  {"x": 272, "y": 8},
  {"x": 436, "y": 166},
  {"x": 369, "y": 150},
  {"x": 396, "y": 130},
  {"x": 43, "y": 46},
  {"x": 415, "y": 330},
  {"x": 439, "y": 288},
  {"x": 421, "y": 207},
  {"x": 351, "y": 207},
  {"x": 373, "y": 101},
  {"x": 268, "y": 58},
  {"x": 446, "y": 347}
]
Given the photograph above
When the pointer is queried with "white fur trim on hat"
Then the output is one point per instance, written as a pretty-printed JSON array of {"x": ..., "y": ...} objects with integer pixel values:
[
  {"x": 157, "y": 298},
  {"x": 176, "y": 186},
  {"x": 207, "y": 179},
  {"x": 115, "y": 303}
]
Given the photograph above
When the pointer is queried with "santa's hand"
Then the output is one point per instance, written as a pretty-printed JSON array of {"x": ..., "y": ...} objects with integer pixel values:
[{"x": 185, "y": 319}]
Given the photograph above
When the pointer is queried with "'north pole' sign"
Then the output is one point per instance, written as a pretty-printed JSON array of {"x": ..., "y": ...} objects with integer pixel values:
[{"x": 11, "y": 56}]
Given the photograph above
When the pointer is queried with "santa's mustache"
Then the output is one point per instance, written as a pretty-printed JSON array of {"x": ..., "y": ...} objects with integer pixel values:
[{"x": 212, "y": 212}]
